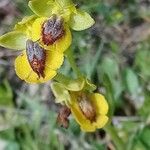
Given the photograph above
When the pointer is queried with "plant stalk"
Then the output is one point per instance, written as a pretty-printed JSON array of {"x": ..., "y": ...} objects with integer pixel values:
[{"x": 115, "y": 138}]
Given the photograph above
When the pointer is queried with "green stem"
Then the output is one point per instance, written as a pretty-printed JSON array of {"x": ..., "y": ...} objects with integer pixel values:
[
  {"x": 72, "y": 62},
  {"x": 115, "y": 138},
  {"x": 61, "y": 78}
]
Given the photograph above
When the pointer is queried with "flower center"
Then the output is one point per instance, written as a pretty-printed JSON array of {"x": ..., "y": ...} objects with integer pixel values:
[
  {"x": 36, "y": 57},
  {"x": 86, "y": 107},
  {"x": 52, "y": 30}
]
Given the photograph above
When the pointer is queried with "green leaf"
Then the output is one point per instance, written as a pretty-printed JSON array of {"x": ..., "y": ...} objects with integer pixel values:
[
  {"x": 12, "y": 146},
  {"x": 141, "y": 141},
  {"x": 81, "y": 21},
  {"x": 142, "y": 61},
  {"x": 6, "y": 94},
  {"x": 109, "y": 94},
  {"x": 91, "y": 65},
  {"x": 60, "y": 92},
  {"x": 145, "y": 136},
  {"x": 144, "y": 110},
  {"x": 42, "y": 7},
  {"x": 13, "y": 40},
  {"x": 110, "y": 67},
  {"x": 132, "y": 82}
]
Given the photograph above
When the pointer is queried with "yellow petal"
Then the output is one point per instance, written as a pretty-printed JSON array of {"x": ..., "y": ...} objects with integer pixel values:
[
  {"x": 37, "y": 28},
  {"x": 88, "y": 127},
  {"x": 100, "y": 103},
  {"x": 22, "y": 67},
  {"x": 54, "y": 59},
  {"x": 76, "y": 111},
  {"x": 101, "y": 121},
  {"x": 25, "y": 72}
]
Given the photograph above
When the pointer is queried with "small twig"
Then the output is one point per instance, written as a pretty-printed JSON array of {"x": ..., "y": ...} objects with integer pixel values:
[
  {"x": 3, "y": 3},
  {"x": 126, "y": 118}
]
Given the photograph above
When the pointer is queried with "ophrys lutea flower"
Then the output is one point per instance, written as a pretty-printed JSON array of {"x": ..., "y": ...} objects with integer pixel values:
[
  {"x": 36, "y": 64},
  {"x": 89, "y": 109}
]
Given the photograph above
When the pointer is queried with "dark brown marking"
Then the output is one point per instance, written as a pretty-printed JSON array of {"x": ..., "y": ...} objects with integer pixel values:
[
  {"x": 62, "y": 118},
  {"x": 86, "y": 107},
  {"x": 36, "y": 56},
  {"x": 52, "y": 30}
]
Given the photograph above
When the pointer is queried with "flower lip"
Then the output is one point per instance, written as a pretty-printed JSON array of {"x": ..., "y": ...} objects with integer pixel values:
[
  {"x": 36, "y": 57},
  {"x": 52, "y": 30},
  {"x": 86, "y": 107}
]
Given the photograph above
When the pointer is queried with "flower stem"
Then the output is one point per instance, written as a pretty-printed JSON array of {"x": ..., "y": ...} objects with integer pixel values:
[
  {"x": 115, "y": 138},
  {"x": 61, "y": 78},
  {"x": 69, "y": 55}
]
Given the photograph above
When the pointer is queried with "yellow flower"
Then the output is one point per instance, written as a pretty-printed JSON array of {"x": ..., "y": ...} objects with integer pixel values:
[
  {"x": 36, "y": 70},
  {"x": 39, "y": 61},
  {"x": 35, "y": 64},
  {"x": 89, "y": 110}
]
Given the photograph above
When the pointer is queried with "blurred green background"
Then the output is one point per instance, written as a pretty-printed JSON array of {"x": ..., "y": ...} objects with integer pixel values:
[{"x": 114, "y": 54}]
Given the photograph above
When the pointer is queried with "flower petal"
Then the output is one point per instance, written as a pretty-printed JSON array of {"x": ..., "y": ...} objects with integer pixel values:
[
  {"x": 13, "y": 40},
  {"x": 37, "y": 28},
  {"x": 100, "y": 103},
  {"x": 63, "y": 43},
  {"x": 101, "y": 121},
  {"x": 64, "y": 3},
  {"x": 76, "y": 111},
  {"x": 61, "y": 94},
  {"x": 81, "y": 20},
  {"x": 42, "y": 8},
  {"x": 74, "y": 84},
  {"x": 25, "y": 72},
  {"x": 25, "y": 26},
  {"x": 88, "y": 127},
  {"x": 54, "y": 59},
  {"x": 91, "y": 127}
]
